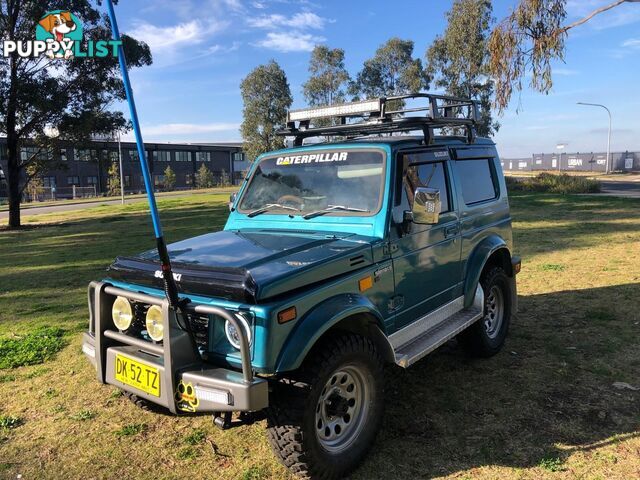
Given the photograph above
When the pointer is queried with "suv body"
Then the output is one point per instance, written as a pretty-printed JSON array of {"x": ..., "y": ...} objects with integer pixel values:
[{"x": 281, "y": 293}]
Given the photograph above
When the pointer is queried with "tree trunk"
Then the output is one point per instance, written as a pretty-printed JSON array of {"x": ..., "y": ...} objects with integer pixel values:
[
  {"x": 13, "y": 181},
  {"x": 13, "y": 164}
]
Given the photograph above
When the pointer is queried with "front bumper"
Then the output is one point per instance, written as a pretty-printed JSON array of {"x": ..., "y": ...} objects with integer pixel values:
[{"x": 176, "y": 361}]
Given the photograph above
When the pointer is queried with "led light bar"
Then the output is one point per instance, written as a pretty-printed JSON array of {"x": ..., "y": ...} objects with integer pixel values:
[
  {"x": 213, "y": 395},
  {"x": 347, "y": 109}
]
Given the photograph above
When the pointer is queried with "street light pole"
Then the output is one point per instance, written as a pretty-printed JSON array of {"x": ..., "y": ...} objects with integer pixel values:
[
  {"x": 121, "y": 172},
  {"x": 608, "y": 165}
]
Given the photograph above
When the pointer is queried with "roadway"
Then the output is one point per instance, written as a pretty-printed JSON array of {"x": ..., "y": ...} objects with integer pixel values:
[{"x": 64, "y": 206}]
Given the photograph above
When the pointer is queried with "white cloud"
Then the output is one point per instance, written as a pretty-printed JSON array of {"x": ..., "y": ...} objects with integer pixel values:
[
  {"x": 290, "y": 42},
  {"x": 168, "y": 37},
  {"x": 299, "y": 20},
  {"x": 169, "y": 129},
  {"x": 633, "y": 43},
  {"x": 565, "y": 72}
]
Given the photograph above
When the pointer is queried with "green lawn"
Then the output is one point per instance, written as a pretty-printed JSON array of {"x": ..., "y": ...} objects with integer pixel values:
[{"x": 543, "y": 408}]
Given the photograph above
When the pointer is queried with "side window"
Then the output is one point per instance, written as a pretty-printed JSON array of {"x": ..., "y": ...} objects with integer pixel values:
[
  {"x": 430, "y": 175},
  {"x": 477, "y": 180}
]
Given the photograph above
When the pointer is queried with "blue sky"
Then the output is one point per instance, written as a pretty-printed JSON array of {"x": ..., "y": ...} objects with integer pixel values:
[{"x": 203, "y": 48}]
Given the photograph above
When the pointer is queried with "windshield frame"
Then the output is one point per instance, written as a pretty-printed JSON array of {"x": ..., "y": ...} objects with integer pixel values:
[{"x": 328, "y": 149}]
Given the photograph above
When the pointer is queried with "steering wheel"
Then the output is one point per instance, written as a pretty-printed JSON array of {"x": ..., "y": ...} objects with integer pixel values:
[{"x": 285, "y": 199}]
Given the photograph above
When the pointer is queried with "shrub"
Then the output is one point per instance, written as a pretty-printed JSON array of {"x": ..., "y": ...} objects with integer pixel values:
[
  {"x": 195, "y": 437},
  {"x": 131, "y": 429},
  {"x": 204, "y": 177},
  {"x": 552, "y": 183},
  {"x": 32, "y": 348},
  {"x": 169, "y": 178},
  {"x": 9, "y": 421}
]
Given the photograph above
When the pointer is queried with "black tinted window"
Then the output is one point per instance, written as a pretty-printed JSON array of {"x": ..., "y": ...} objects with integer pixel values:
[
  {"x": 476, "y": 177},
  {"x": 431, "y": 175}
]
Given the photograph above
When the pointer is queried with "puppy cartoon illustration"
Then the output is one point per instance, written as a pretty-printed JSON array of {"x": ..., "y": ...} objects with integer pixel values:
[{"x": 58, "y": 25}]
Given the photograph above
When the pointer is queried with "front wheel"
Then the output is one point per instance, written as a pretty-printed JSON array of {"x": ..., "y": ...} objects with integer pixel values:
[
  {"x": 322, "y": 424},
  {"x": 486, "y": 337}
]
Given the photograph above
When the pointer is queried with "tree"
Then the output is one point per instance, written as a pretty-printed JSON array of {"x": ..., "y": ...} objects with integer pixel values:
[
  {"x": 169, "y": 178},
  {"x": 528, "y": 41},
  {"x": 458, "y": 61},
  {"x": 225, "y": 181},
  {"x": 204, "y": 177},
  {"x": 266, "y": 96},
  {"x": 391, "y": 71},
  {"x": 328, "y": 79},
  {"x": 44, "y": 101},
  {"x": 113, "y": 179}
]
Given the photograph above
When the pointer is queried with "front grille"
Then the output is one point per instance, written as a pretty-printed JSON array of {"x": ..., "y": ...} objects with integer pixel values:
[{"x": 200, "y": 327}]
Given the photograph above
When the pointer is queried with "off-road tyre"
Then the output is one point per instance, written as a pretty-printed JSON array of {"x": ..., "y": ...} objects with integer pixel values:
[
  {"x": 292, "y": 418},
  {"x": 478, "y": 340}
]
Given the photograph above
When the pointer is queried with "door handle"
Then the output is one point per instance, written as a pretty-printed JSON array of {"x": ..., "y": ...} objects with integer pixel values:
[{"x": 451, "y": 231}]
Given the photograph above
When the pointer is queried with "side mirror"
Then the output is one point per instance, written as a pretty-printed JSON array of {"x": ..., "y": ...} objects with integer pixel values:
[
  {"x": 232, "y": 200},
  {"x": 426, "y": 206}
]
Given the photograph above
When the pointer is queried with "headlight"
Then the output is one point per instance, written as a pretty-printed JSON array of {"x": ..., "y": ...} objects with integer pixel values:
[
  {"x": 155, "y": 327},
  {"x": 122, "y": 313},
  {"x": 232, "y": 333}
]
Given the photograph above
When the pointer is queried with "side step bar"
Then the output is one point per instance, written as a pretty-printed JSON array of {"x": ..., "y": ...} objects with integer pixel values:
[{"x": 427, "y": 342}]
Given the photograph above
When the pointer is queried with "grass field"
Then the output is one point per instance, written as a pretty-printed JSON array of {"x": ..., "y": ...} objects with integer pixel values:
[{"x": 545, "y": 407}]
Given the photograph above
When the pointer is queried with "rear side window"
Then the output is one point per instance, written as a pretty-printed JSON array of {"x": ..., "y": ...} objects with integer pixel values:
[{"x": 477, "y": 179}]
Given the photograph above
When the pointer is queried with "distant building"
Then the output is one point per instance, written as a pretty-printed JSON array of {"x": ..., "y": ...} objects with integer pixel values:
[
  {"x": 86, "y": 168},
  {"x": 577, "y": 162}
]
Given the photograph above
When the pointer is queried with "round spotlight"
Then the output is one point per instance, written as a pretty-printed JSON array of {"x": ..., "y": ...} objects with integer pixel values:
[
  {"x": 155, "y": 326},
  {"x": 122, "y": 313}
]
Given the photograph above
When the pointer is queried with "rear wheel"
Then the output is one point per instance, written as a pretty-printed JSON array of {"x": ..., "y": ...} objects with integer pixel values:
[
  {"x": 322, "y": 423},
  {"x": 486, "y": 337}
]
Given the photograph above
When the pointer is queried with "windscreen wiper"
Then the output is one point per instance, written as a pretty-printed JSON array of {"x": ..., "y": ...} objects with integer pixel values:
[
  {"x": 333, "y": 208},
  {"x": 268, "y": 207}
]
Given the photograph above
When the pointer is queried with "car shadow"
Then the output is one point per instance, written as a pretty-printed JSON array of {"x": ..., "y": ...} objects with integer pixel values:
[{"x": 547, "y": 395}]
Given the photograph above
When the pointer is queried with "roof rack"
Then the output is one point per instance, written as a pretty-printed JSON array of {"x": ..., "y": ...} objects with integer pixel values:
[{"x": 377, "y": 117}]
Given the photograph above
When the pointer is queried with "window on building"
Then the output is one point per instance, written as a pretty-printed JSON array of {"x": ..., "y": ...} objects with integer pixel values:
[
  {"x": 28, "y": 153},
  {"x": 203, "y": 156},
  {"x": 188, "y": 180},
  {"x": 478, "y": 181},
  {"x": 85, "y": 155},
  {"x": 113, "y": 156},
  {"x": 133, "y": 155},
  {"x": 127, "y": 180},
  {"x": 183, "y": 156},
  {"x": 238, "y": 157},
  {"x": 73, "y": 180},
  {"x": 158, "y": 180},
  {"x": 63, "y": 154},
  {"x": 161, "y": 156},
  {"x": 49, "y": 182},
  {"x": 92, "y": 181}
]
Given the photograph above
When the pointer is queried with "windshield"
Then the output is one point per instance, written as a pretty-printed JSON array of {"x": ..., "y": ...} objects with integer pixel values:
[{"x": 343, "y": 182}]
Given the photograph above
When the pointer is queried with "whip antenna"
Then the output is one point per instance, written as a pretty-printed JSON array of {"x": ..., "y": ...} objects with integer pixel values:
[{"x": 170, "y": 287}]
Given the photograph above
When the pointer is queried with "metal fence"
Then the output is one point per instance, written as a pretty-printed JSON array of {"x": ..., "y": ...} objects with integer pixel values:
[{"x": 580, "y": 162}]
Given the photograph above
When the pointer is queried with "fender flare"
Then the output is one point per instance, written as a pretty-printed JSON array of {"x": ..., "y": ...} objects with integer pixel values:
[
  {"x": 321, "y": 319},
  {"x": 477, "y": 261}
]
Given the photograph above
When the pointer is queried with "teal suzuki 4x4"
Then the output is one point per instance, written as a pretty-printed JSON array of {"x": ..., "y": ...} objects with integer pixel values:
[{"x": 337, "y": 259}]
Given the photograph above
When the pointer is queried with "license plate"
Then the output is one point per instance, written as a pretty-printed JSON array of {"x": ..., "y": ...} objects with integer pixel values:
[{"x": 138, "y": 375}]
